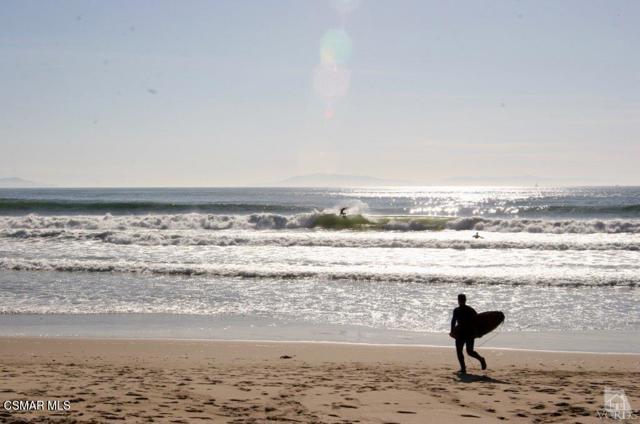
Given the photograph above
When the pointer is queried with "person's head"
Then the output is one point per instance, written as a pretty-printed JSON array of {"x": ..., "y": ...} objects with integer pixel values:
[{"x": 462, "y": 299}]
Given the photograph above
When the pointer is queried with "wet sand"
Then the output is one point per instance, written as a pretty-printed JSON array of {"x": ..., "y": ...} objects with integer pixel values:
[{"x": 244, "y": 382}]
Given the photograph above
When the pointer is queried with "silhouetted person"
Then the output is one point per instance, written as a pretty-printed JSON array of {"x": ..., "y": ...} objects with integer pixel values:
[
  {"x": 465, "y": 317},
  {"x": 343, "y": 213},
  {"x": 477, "y": 236}
]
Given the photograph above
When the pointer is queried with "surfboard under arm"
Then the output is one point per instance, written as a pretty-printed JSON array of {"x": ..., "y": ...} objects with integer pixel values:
[{"x": 485, "y": 323}]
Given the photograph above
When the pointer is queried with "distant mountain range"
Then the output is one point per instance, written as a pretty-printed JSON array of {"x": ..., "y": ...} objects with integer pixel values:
[
  {"x": 338, "y": 180},
  {"x": 513, "y": 180},
  {"x": 16, "y": 182}
]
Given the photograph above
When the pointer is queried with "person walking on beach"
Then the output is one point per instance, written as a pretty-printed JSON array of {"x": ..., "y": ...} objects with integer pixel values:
[{"x": 464, "y": 316}]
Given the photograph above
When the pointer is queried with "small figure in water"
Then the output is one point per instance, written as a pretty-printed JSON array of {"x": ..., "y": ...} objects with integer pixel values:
[
  {"x": 343, "y": 213},
  {"x": 477, "y": 236},
  {"x": 465, "y": 316}
]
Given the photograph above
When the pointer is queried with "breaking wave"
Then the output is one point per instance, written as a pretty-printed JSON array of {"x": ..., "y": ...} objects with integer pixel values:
[
  {"x": 309, "y": 220},
  {"x": 190, "y": 238},
  {"x": 582, "y": 210},
  {"x": 546, "y": 226},
  {"x": 97, "y": 266},
  {"x": 13, "y": 206}
]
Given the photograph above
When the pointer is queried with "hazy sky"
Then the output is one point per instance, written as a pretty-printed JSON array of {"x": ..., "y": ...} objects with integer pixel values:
[{"x": 190, "y": 93}]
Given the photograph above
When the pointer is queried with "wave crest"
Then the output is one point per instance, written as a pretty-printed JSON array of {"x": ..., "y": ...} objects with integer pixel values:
[
  {"x": 304, "y": 239},
  {"x": 66, "y": 265},
  {"x": 328, "y": 221},
  {"x": 613, "y": 226}
]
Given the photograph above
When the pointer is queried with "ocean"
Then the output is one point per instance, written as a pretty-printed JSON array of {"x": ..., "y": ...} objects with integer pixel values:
[{"x": 281, "y": 264}]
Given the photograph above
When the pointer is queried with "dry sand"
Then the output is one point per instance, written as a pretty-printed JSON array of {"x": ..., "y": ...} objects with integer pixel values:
[{"x": 239, "y": 382}]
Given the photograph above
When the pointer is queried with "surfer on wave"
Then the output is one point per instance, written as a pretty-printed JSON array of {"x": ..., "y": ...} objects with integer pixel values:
[
  {"x": 343, "y": 212},
  {"x": 465, "y": 316},
  {"x": 477, "y": 236}
]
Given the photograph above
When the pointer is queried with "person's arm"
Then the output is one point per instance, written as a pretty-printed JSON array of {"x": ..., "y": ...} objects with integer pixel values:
[{"x": 453, "y": 322}]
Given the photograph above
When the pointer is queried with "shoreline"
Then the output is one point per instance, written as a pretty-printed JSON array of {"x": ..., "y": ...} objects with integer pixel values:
[
  {"x": 305, "y": 342},
  {"x": 251, "y": 381},
  {"x": 255, "y": 328}
]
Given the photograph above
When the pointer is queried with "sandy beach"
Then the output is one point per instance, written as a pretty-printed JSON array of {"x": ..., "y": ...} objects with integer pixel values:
[{"x": 238, "y": 382}]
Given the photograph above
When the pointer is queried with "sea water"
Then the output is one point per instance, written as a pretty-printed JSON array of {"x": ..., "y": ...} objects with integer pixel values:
[{"x": 281, "y": 264}]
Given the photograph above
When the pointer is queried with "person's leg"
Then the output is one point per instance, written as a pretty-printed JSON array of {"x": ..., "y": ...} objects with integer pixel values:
[
  {"x": 459, "y": 346},
  {"x": 475, "y": 354}
]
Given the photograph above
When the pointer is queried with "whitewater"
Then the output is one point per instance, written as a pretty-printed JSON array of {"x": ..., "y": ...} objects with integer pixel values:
[{"x": 563, "y": 260}]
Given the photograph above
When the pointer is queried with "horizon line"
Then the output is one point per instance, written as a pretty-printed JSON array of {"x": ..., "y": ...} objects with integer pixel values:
[{"x": 314, "y": 186}]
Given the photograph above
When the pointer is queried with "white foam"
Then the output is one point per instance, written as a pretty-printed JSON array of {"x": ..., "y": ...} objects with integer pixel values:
[
  {"x": 268, "y": 221},
  {"x": 145, "y": 237},
  {"x": 297, "y": 272},
  {"x": 546, "y": 226}
]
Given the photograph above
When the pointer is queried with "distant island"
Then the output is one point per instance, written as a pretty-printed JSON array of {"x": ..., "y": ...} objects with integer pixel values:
[
  {"x": 16, "y": 182},
  {"x": 514, "y": 180},
  {"x": 338, "y": 180}
]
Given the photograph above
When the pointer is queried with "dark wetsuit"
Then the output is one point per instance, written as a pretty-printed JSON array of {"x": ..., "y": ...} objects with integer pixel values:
[{"x": 465, "y": 317}]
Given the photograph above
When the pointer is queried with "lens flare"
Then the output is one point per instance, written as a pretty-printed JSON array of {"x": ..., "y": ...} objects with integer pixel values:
[
  {"x": 329, "y": 112},
  {"x": 345, "y": 7},
  {"x": 331, "y": 81},
  {"x": 335, "y": 47},
  {"x": 331, "y": 77}
]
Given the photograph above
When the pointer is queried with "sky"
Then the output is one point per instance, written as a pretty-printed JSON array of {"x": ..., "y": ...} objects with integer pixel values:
[{"x": 228, "y": 93}]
